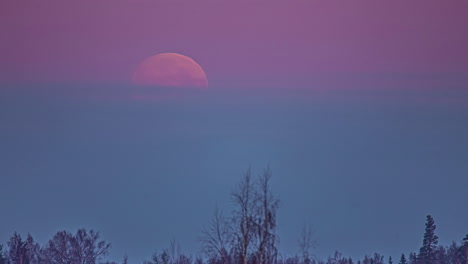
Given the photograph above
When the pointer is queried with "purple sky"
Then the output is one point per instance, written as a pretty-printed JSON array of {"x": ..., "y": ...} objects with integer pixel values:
[{"x": 255, "y": 43}]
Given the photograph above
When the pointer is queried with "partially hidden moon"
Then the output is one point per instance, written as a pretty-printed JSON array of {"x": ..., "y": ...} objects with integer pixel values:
[{"x": 170, "y": 70}]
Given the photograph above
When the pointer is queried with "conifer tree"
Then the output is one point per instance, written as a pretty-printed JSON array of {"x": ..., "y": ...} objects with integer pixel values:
[
  {"x": 463, "y": 252},
  {"x": 403, "y": 259},
  {"x": 2, "y": 257},
  {"x": 413, "y": 258},
  {"x": 427, "y": 251}
]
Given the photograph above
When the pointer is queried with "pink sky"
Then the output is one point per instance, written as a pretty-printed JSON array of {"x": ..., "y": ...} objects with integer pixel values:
[{"x": 235, "y": 41}]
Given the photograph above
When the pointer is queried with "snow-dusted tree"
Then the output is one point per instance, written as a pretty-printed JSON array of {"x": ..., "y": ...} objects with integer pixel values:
[{"x": 427, "y": 254}]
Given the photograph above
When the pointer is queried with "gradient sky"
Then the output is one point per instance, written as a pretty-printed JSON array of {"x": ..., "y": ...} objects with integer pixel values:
[
  {"x": 90, "y": 41},
  {"x": 360, "y": 107}
]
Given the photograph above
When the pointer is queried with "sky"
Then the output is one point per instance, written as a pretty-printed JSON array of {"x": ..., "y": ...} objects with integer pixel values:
[
  {"x": 360, "y": 108},
  {"x": 234, "y": 41}
]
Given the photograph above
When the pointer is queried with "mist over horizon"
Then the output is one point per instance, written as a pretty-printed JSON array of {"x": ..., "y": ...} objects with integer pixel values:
[{"x": 360, "y": 166}]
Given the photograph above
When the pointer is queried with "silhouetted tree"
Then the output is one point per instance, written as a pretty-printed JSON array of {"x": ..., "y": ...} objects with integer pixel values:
[
  {"x": 248, "y": 237},
  {"x": 198, "y": 260},
  {"x": 243, "y": 217},
  {"x": 172, "y": 255},
  {"x": 161, "y": 258},
  {"x": 402, "y": 259},
  {"x": 216, "y": 238},
  {"x": 3, "y": 259},
  {"x": 33, "y": 251},
  {"x": 183, "y": 259},
  {"x": 266, "y": 205},
  {"x": 427, "y": 252},
  {"x": 413, "y": 258},
  {"x": 306, "y": 243},
  {"x": 378, "y": 259},
  {"x": 338, "y": 259},
  {"x": 17, "y": 250},
  {"x": 375, "y": 259},
  {"x": 367, "y": 260},
  {"x": 89, "y": 248},
  {"x": 463, "y": 251},
  {"x": 441, "y": 255},
  {"x": 82, "y": 248},
  {"x": 59, "y": 249},
  {"x": 452, "y": 253},
  {"x": 291, "y": 260}
]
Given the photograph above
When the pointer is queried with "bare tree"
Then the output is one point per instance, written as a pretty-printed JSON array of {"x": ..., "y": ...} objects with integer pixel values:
[
  {"x": 82, "y": 248},
  {"x": 23, "y": 251},
  {"x": 216, "y": 238},
  {"x": 242, "y": 219},
  {"x": 58, "y": 250},
  {"x": 254, "y": 220},
  {"x": 266, "y": 205},
  {"x": 172, "y": 255},
  {"x": 17, "y": 250},
  {"x": 88, "y": 248},
  {"x": 306, "y": 242},
  {"x": 162, "y": 258},
  {"x": 33, "y": 250},
  {"x": 198, "y": 260}
]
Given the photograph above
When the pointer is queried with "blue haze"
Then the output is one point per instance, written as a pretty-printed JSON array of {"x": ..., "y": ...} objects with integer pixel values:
[{"x": 364, "y": 168}]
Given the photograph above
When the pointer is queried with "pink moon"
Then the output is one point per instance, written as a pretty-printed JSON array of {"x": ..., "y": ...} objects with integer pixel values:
[{"x": 170, "y": 70}]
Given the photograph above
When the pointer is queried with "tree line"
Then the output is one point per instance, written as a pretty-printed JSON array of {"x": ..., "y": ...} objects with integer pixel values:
[{"x": 246, "y": 236}]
